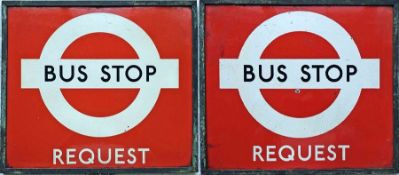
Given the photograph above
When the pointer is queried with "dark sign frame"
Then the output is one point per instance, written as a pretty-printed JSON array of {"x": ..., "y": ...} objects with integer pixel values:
[
  {"x": 4, "y": 168},
  {"x": 391, "y": 3}
]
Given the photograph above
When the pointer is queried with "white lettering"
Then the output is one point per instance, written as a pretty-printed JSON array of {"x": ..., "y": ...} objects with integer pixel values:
[
  {"x": 90, "y": 160},
  {"x": 343, "y": 148},
  {"x": 332, "y": 153},
  {"x": 87, "y": 156},
  {"x": 287, "y": 153},
  {"x": 290, "y": 156},
  {"x": 57, "y": 153},
  {"x": 318, "y": 152},
  {"x": 100, "y": 159},
  {"x": 130, "y": 152},
  {"x": 300, "y": 154},
  {"x": 270, "y": 152},
  {"x": 143, "y": 151},
  {"x": 257, "y": 151},
  {"x": 119, "y": 155}
]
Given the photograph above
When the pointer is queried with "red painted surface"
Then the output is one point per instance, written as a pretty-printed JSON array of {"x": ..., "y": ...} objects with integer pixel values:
[
  {"x": 232, "y": 131},
  {"x": 32, "y": 132}
]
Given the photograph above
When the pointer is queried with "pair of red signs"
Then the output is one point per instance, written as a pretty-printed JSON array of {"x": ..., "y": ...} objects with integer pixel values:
[{"x": 120, "y": 87}]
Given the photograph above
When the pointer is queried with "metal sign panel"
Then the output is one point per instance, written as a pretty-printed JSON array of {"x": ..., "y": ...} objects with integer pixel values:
[
  {"x": 99, "y": 86},
  {"x": 300, "y": 88}
]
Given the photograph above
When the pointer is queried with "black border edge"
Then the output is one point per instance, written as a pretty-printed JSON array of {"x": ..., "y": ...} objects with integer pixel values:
[
  {"x": 395, "y": 49},
  {"x": 99, "y": 3},
  {"x": 395, "y": 55},
  {"x": 300, "y": 2},
  {"x": 195, "y": 85},
  {"x": 3, "y": 87},
  {"x": 203, "y": 142}
]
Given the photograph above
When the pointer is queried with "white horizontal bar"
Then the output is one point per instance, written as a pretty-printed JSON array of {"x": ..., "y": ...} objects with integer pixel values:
[
  {"x": 166, "y": 75},
  {"x": 367, "y": 75}
]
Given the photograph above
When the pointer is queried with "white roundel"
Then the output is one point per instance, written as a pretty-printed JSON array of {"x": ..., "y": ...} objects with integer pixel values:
[
  {"x": 257, "y": 42},
  {"x": 77, "y": 121}
]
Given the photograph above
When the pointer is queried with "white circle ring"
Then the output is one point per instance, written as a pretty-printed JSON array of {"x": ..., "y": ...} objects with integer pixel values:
[
  {"x": 316, "y": 24},
  {"x": 109, "y": 125}
]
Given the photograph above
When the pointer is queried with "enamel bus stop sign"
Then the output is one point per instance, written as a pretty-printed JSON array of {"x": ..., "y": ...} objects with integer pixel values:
[
  {"x": 299, "y": 88},
  {"x": 103, "y": 89}
]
